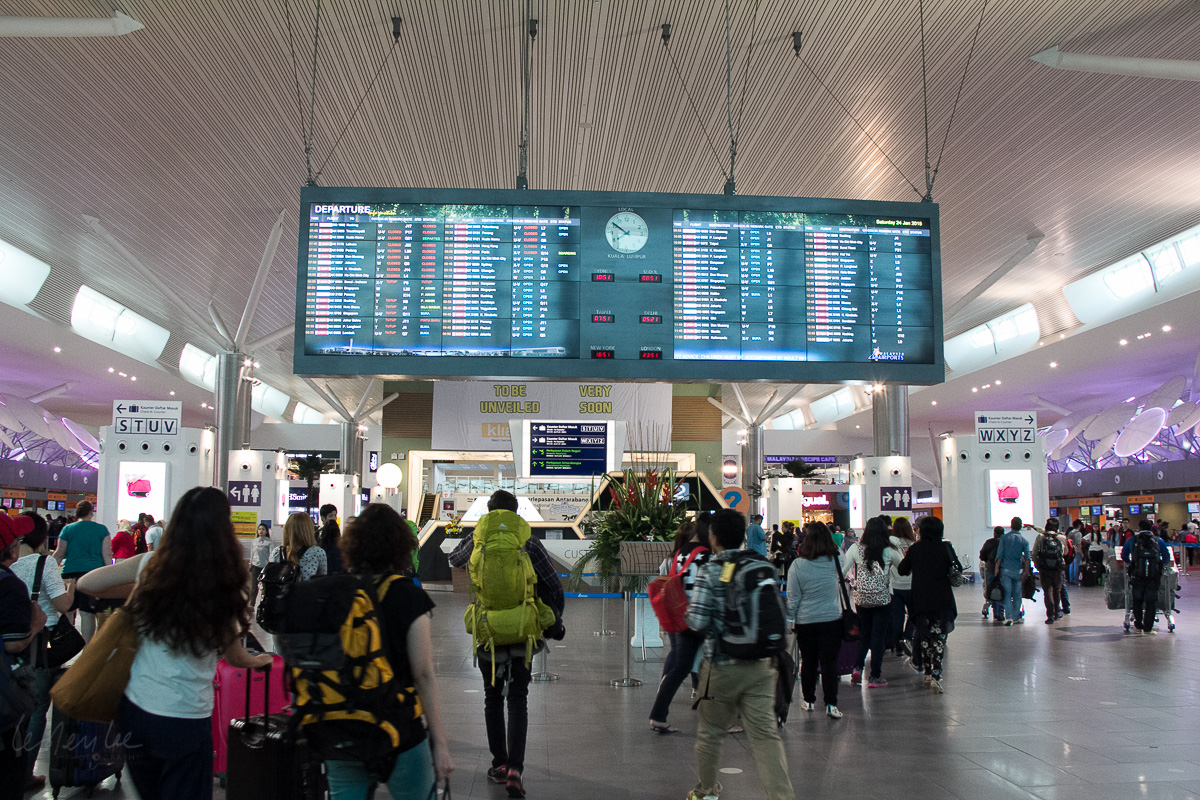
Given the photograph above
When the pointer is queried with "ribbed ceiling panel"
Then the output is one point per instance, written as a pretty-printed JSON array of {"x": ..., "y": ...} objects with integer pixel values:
[{"x": 185, "y": 138}]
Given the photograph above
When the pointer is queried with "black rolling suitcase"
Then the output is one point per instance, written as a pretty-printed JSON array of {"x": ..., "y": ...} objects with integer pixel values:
[
  {"x": 268, "y": 758},
  {"x": 83, "y": 753},
  {"x": 785, "y": 685}
]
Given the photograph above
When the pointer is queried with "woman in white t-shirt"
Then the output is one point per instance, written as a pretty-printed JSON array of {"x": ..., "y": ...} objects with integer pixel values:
[{"x": 189, "y": 604}]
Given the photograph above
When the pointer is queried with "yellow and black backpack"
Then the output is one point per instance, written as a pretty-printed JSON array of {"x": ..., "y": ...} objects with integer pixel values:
[{"x": 352, "y": 704}]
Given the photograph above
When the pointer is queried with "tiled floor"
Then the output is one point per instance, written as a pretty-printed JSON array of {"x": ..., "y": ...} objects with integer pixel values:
[{"x": 1075, "y": 711}]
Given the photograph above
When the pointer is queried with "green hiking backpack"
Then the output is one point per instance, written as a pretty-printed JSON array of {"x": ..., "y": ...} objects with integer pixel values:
[{"x": 506, "y": 610}]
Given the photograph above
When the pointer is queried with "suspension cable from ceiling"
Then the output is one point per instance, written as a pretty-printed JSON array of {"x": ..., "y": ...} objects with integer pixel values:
[
  {"x": 386, "y": 58},
  {"x": 287, "y": 13},
  {"x": 954, "y": 108},
  {"x": 746, "y": 69},
  {"x": 312, "y": 101},
  {"x": 928, "y": 196},
  {"x": 527, "y": 40},
  {"x": 666, "y": 40},
  {"x": 731, "y": 181},
  {"x": 796, "y": 46}
]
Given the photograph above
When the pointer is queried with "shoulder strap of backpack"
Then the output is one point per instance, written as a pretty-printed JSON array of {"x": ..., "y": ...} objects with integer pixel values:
[
  {"x": 688, "y": 561},
  {"x": 37, "y": 579}
]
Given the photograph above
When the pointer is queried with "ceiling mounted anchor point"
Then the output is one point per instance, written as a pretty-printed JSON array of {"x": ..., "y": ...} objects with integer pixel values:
[
  {"x": 396, "y": 21},
  {"x": 666, "y": 33},
  {"x": 797, "y": 42}
]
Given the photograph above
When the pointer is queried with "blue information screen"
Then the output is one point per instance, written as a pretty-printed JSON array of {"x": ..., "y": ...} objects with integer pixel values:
[
  {"x": 595, "y": 285},
  {"x": 568, "y": 449}
]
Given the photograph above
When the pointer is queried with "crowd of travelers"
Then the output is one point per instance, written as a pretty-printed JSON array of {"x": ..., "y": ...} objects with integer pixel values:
[{"x": 189, "y": 592}]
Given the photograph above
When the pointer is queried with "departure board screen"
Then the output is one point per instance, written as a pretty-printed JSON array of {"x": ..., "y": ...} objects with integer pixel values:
[{"x": 597, "y": 285}]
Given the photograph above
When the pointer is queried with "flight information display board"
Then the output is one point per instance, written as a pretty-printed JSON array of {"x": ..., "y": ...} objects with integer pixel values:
[{"x": 600, "y": 285}]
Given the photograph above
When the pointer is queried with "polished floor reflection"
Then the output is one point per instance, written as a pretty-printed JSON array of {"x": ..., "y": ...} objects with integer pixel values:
[{"x": 1075, "y": 711}]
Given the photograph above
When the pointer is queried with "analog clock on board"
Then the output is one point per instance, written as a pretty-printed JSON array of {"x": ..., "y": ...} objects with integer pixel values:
[{"x": 626, "y": 232}]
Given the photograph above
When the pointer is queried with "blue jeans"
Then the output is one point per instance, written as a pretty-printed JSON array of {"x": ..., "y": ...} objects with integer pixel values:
[
  {"x": 168, "y": 757},
  {"x": 1012, "y": 593},
  {"x": 43, "y": 680},
  {"x": 684, "y": 646},
  {"x": 410, "y": 780},
  {"x": 873, "y": 621}
]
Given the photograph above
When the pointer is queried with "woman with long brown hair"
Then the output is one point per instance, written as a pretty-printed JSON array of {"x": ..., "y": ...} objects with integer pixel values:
[
  {"x": 189, "y": 603},
  {"x": 300, "y": 547},
  {"x": 816, "y": 616},
  {"x": 378, "y": 544}
]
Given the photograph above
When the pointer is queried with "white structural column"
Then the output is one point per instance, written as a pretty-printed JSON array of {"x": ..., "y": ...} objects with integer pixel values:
[{"x": 233, "y": 412}]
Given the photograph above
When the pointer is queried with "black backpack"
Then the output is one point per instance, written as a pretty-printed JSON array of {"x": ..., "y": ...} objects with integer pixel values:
[
  {"x": 1146, "y": 560},
  {"x": 754, "y": 620},
  {"x": 1050, "y": 554},
  {"x": 278, "y": 578}
]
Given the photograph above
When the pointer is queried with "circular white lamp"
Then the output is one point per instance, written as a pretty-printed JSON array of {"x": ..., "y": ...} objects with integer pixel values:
[{"x": 389, "y": 476}]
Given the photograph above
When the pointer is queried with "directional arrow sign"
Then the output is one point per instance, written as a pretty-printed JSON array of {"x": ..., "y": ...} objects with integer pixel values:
[
  {"x": 895, "y": 498},
  {"x": 147, "y": 417},
  {"x": 1018, "y": 428}
]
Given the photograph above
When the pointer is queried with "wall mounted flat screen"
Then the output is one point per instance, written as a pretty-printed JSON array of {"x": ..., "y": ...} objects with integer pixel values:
[
  {"x": 604, "y": 285},
  {"x": 1134, "y": 509},
  {"x": 1193, "y": 508},
  {"x": 566, "y": 450}
]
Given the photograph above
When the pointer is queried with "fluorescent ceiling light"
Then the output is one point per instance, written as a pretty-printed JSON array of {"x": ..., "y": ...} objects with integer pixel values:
[
  {"x": 198, "y": 367},
  {"x": 107, "y": 322},
  {"x": 1129, "y": 277},
  {"x": 1003, "y": 337},
  {"x": 21, "y": 275},
  {"x": 269, "y": 401},
  {"x": 304, "y": 415}
]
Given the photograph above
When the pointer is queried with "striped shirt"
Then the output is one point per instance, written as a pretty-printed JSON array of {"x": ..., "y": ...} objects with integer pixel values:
[{"x": 681, "y": 557}]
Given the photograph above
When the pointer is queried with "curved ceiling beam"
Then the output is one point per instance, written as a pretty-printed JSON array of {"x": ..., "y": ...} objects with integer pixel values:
[{"x": 1117, "y": 65}]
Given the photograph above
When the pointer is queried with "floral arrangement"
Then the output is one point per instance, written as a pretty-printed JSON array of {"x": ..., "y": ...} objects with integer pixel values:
[
  {"x": 641, "y": 508},
  {"x": 454, "y": 527}
]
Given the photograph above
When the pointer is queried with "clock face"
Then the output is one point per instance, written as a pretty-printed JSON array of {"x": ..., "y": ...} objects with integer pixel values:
[{"x": 626, "y": 232}]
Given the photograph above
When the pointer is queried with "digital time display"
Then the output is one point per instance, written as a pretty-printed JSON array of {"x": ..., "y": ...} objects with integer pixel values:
[{"x": 530, "y": 284}]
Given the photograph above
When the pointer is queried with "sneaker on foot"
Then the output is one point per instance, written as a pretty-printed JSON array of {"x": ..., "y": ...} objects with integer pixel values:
[
  {"x": 916, "y": 666},
  {"x": 985, "y": 610},
  {"x": 807, "y": 706},
  {"x": 856, "y": 677},
  {"x": 833, "y": 712},
  {"x": 877, "y": 683},
  {"x": 1049, "y": 620},
  {"x": 498, "y": 774},
  {"x": 936, "y": 686},
  {"x": 1008, "y": 622},
  {"x": 514, "y": 785}
]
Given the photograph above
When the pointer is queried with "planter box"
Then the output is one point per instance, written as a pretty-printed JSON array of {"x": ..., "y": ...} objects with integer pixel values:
[{"x": 643, "y": 558}]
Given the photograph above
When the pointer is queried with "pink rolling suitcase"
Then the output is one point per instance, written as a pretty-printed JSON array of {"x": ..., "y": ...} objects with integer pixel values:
[{"x": 229, "y": 701}]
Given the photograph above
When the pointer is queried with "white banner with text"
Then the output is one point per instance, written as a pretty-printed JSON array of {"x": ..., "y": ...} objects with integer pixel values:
[{"x": 473, "y": 415}]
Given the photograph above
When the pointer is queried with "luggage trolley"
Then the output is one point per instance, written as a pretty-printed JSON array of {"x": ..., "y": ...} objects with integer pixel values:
[{"x": 1119, "y": 584}]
